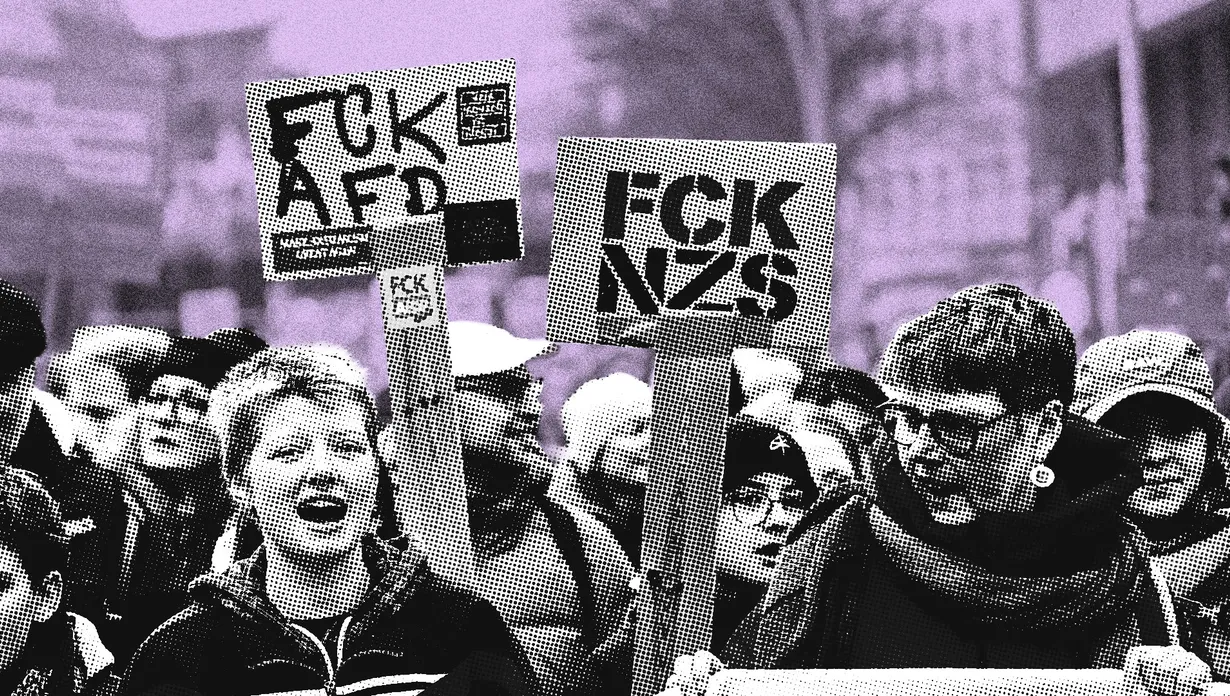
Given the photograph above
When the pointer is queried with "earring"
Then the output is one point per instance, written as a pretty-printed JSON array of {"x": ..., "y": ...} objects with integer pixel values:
[{"x": 1042, "y": 476}]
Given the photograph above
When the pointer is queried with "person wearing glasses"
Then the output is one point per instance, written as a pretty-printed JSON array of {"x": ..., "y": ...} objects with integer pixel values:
[
  {"x": 171, "y": 506},
  {"x": 1155, "y": 389},
  {"x": 766, "y": 489},
  {"x": 557, "y": 574},
  {"x": 993, "y": 536}
]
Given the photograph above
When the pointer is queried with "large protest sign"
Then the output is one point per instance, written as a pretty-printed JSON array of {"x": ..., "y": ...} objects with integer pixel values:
[
  {"x": 396, "y": 173},
  {"x": 335, "y": 154},
  {"x": 920, "y": 682},
  {"x": 692, "y": 248},
  {"x": 656, "y": 228}
]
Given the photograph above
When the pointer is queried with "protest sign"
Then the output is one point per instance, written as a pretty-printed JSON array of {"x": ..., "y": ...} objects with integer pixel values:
[
  {"x": 333, "y": 155},
  {"x": 396, "y": 173},
  {"x": 692, "y": 248},
  {"x": 919, "y": 682}
]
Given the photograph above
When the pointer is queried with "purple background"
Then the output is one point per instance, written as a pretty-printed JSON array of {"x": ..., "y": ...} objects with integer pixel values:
[{"x": 1048, "y": 143}]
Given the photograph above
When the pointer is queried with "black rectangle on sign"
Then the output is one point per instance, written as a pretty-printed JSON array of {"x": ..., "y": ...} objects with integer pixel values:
[
  {"x": 483, "y": 114},
  {"x": 482, "y": 232},
  {"x": 320, "y": 250}
]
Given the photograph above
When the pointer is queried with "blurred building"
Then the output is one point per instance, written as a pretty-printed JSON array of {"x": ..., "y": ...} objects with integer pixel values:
[
  {"x": 936, "y": 191},
  {"x": 123, "y": 169},
  {"x": 1003, "y": 158},
  {"x": 1170, "y": 263}
]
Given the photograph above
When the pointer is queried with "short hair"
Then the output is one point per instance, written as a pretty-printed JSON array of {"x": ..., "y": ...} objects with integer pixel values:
[
  {"x": 318, "y": 373},
  {"x": 987, "y": 338},
  {"x": 30, "y": 524}
]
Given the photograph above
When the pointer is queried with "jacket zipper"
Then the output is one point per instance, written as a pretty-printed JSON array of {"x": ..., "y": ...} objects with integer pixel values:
[{"x": 331, "y": 684}]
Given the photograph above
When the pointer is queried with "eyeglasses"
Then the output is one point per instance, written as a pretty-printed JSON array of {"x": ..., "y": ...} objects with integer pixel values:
[
  {"x": 753, "y": 507},
  {"x": 502, "y": 387},
  {"x": 191, "y": 406},
  {"x": 958, "y": 434}
]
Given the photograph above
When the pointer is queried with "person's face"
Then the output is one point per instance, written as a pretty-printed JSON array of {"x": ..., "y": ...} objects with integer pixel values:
[
  {"x": 16, "y": 403},
  {"x": 1169, "y": 436},
  {"x": 174, "y": 433},
  {"x": 976, "y": 460},
  {"x": 312, "y": 478},
  {"x": 625, "y": 457},
  {"x": 23, "y": 603},
  {"x": 753, "y": 523},
  {"x": 96, "y": 397},
  {"x": 498, "y": 416}
]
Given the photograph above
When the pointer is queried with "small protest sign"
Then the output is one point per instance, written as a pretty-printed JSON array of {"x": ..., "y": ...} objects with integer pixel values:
[
  {"x": 335, "y": 154},
  {"x": 692, "y": 248}
]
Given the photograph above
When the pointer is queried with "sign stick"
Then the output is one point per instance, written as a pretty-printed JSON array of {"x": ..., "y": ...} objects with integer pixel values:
[
  {"x": 423, "y": 443},
  {"x": 691, "y": 393}
]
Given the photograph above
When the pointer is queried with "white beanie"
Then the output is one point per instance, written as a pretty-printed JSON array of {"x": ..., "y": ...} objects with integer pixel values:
[{"x": 596, "y": 409}]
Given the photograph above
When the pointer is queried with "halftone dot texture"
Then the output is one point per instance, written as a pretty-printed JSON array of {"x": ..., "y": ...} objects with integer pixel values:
[
  {"x": 581, "y": 191},
  {"x": 919, "y": 682},
  {"x": 22, "y": 337},
  {"x": 891, "y": 592},
  {"x": 1185, "y": 459},
  {"x": 441, "y": 108}
]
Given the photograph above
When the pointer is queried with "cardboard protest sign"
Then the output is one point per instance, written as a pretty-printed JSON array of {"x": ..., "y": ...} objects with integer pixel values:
[
  {"x": 396, "y": 173},
  {"x": 919, "y": 682},
  {"x": 335, "y": 154},
  {"x": 692, "y": 248},
  {"x": 653, "y": 228}
]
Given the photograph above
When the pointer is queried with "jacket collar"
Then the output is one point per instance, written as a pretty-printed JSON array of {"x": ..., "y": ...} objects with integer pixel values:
[{"x": 397, "y": 568}]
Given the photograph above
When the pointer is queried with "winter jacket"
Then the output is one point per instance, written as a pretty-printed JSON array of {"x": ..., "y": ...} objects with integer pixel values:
[
  {"x": 90, "y": 498},
  {"x": 63, "y": 657},
  {"x": 838, "y": 601},
  {"x": 563, "y": 585},
  {"x": 414, "y": 632}
]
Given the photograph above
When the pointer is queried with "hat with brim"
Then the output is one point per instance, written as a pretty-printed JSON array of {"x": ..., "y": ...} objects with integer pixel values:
[
  {"x": 1100, "y": 408},
  {"x": 482, "y": 349},
  {"x": 1139, "y": 362}
]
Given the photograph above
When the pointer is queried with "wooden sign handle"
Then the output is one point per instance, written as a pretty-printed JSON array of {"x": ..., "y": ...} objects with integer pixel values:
[
  {"x": 691, "y": 395},
  {"x": 423, "y": 447}
]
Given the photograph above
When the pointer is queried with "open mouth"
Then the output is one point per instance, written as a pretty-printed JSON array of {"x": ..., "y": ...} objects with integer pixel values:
[{"x": 322, "y": 509}]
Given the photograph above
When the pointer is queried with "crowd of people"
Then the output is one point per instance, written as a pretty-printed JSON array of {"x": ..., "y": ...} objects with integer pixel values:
[{"x": 212, "y": 515}]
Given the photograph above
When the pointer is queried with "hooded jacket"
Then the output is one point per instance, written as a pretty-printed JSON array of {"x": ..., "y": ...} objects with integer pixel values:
[
  {"x": 839, "y": 601},
  {"x": 413, "y": 633}
]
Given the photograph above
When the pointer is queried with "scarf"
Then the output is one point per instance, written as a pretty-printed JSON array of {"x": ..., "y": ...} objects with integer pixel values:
[
  {"x": 1075, "y": 524},
  {"x": 1070, "y": 567},
  {"x": 1072, "y": 603}
]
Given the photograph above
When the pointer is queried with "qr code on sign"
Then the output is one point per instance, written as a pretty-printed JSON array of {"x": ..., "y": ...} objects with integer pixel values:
[{"x": 484, "y": 114}]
